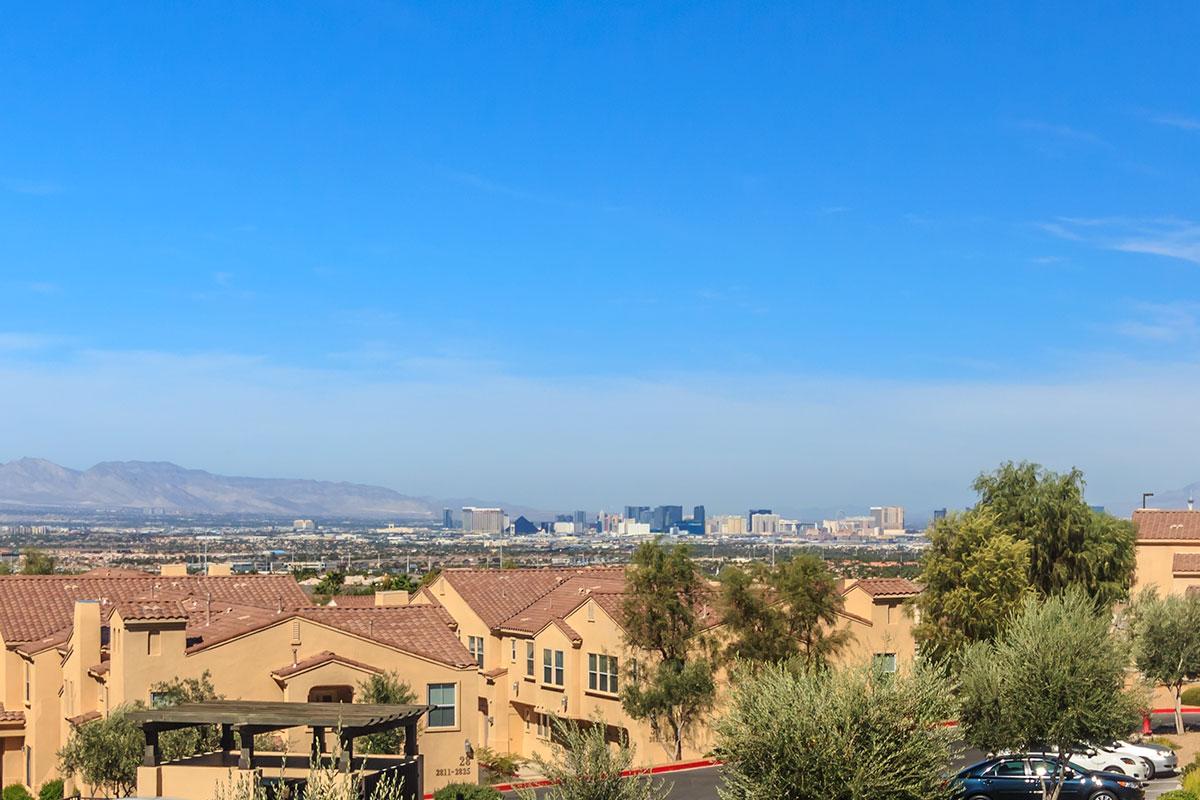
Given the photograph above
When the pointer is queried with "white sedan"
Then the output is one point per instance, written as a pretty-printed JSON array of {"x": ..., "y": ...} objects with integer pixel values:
[{"x": 1160, "y": 760}]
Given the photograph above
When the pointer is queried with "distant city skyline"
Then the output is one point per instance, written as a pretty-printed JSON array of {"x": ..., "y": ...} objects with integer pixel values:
[{"x": 735, "y": 254}]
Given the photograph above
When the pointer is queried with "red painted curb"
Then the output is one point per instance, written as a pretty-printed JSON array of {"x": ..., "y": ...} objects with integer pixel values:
[{"x": 678, "y": 767}]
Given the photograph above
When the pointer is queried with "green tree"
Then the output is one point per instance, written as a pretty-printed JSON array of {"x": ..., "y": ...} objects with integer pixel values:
[
  {"x": 674, "y": 686},
  {"x": 586, "y": 767},
  {"x": 782, "y": 613},
  {"x": 186, "y": 741},
  {"x": 331, "y": 583},
  {"x": 37, "y": 562},
  {"x": 396, "y": 582},
  {"x": 1070, "y": 545},
  {"x": 1166, "y": 642},
  {"x": 1054, "y": 679},
  {"x": 388, "y": 689},
  {"x": 105, "y": 754},
  {"x": 836, "y": 734},
  {"x": 974, "y": 579},
  {"x": 1031, "y": 531}
]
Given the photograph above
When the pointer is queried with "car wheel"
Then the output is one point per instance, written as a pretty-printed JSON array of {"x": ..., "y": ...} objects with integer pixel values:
[
  {"x": 1117, "y": 770},
  {"x": 977, "y": 797},
  {"x": 1104, "y": 794},
  {"x": 1150, "y": 771}
]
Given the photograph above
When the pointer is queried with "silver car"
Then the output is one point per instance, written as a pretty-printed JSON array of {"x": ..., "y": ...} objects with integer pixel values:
[{"x": 1160, "y": 760}]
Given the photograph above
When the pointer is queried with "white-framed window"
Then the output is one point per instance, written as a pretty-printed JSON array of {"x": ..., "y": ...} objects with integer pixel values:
[
  {"x": 529, "y": 665},
  {"x": 602, "y": 673},
  {"x": 553, "y": 667},
  {"x": 28, "y": 682},
  {"x": 885, "y": 661},
  {"x": 475, "y": 645},
  {"x": 513, "y": 642},
  {"x": 444, "y": 699}
]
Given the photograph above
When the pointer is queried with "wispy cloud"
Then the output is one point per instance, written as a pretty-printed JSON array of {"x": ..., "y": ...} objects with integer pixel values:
[
  {"x": 32, "y": 187},
  {"x": 43, "y": 287},
  {"x": 15, "y": 342},
  {"x": 490, "y": 186},
  {"x": 1164, "y": 323},
  {"x": 1059, "y": 131},
  {"x": 1168, "y": 236},
  {"x": 1177, "y": 121}
]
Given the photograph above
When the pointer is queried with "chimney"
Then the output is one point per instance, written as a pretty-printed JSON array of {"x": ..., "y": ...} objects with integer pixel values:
[{"x": 208, "y": 609}]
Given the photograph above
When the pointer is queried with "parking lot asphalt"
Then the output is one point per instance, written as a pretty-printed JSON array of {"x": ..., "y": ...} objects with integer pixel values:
[{"x": 701, "y": 784}]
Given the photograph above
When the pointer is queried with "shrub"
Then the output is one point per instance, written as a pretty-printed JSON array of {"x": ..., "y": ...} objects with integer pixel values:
[
  {"x": 1164, "y": 741},
  {"x": 1191, "y": 697},
  {"x": 1190, "y": 767},
  {"x": 51, "y": 790},
  {"x": 468, "y": 791},
  {"x": 785, "y": 733},
  {"x": 586, "y": 767},
  {"x": 1191, "y": 782},
  {"x": 1179, "y": 794},
  {"x": 498, "y": 767},
  {"x": 15, "y": 791}
]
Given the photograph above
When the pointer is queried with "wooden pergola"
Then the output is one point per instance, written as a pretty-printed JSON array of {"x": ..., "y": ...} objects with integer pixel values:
[{"x": 241, "y": 720}]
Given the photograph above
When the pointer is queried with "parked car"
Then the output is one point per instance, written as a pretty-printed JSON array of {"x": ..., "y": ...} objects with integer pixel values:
[
  {"x": 1159, "y": 759},
  {"x": 1020, "y": 777},
  {"x": 1100, "y": 759}
]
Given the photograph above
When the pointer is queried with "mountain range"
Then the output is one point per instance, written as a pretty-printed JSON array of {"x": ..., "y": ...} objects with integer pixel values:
[{"x": 110, "y": 485}]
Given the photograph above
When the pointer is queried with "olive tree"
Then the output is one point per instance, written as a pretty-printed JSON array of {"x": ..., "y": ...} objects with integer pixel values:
[
  {"x": 1054, "y": 680},
  {"x": 586, "y": 766},
  {"x": 1166, "y": 642},
  {"x": 856, "y": 733}
]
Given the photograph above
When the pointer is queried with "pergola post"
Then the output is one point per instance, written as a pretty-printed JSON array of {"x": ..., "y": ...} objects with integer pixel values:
[
  {"x": 226, "y": 737},
  {"x": 246, "y": 758},
  {"x": 347, "y": 753},
  {"x": 153, "y": 754},
  {"x": 410, "y": 739},
  {"x": 318, "y": 741}
]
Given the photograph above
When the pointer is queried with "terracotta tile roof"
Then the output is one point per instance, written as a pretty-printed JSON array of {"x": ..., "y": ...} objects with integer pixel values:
[
  {"x": 563, "y": 599},
  {"x": 33, "y": 607},
  {"x": 1153, "y": 523},
  {"x": 495, "y": 673},
  {"x": 148, "y": 610},
  {"x": 100, "y": 669},
  {"x": 324, "y": 657},
  {"x": 352, "y": 601},
  {"x": 11, "y": 716},
  {"x": 1185, "y": 562},
  {"x": 886, "y": 587},
  {"x": 496, "y": 595},
  {"x": 421, "y": 630},
  {"x": 78, "y": 720}
]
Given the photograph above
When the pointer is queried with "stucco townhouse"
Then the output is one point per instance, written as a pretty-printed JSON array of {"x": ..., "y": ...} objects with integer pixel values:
[{"x": 77, "y": 647}]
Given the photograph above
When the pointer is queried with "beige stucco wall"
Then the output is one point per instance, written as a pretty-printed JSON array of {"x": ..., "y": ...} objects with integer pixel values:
[
  {"x": 240, "y": 668},
  {"x": 1154, "y": 566},
  {"x": 890, "y": 631}
]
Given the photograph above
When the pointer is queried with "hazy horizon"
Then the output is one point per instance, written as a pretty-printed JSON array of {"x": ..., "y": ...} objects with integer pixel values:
[{"x": 579, "y": 257}]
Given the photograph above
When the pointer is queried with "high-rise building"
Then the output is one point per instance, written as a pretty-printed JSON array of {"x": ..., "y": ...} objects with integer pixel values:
[
  {"x": 635, "y": 512},
  {"x": 764, "y": 523},
  {"x": 939, "y": 513},
  {"x": 447, "y": 518},
  {"x": 888, "y": 518},
  {"x": 482, "y": 520},
  {"x": 750, "y": 517},
  {"x": 303, "y": 525},
  {"x": 730, "y": 525},
  {"x": 698, "y": 515},
  {"x": 580, "y": 521},
  {"x": 666, "y": 517}
]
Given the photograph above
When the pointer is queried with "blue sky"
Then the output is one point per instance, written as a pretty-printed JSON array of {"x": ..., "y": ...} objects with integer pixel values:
[{"x": 589, "y": 254}]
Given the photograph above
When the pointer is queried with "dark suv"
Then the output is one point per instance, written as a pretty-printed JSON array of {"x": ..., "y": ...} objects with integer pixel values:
[{"x": 1020, "y": 778}]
